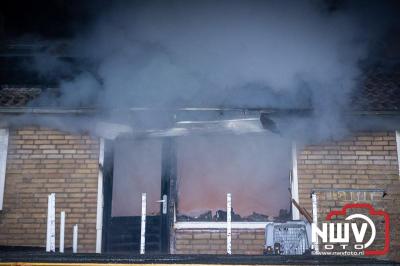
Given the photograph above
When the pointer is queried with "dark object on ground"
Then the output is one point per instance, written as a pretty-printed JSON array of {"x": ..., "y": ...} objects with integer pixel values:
[
  {"x": 220, "y": 216},
  {"x": 256, "y": 217},
  {"x": 205, "y": 216},
  {"x": 283, "y": 216},
  {"x": 277, "y": 249},
  {"x": 184, "y": 218},
  {"x": 268, "y": 251}
]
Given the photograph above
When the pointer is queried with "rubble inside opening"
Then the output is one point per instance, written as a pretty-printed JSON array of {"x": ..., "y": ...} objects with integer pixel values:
[{"x": 253, "y": 167}]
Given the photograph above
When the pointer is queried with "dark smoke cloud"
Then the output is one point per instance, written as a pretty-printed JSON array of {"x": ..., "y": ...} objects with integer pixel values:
[
  {"x": 282, "y": 54},
  {"x": 169, "y": 53},
  {"x": 270, "y": 54}
]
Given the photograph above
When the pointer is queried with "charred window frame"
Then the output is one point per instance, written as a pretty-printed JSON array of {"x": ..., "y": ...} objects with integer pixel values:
[
  {"x": 180, "y": 223},
  {"x": 110, "y": 224}
]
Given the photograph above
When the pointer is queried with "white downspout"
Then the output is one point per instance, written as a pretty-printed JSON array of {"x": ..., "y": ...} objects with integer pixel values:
[
  {"x": 398, "y": 148},
  {"x": 75, "y": 239},
  {"x": 62, "y": 231},
  {"x": 143, "y": 225},
  {"x": 100, "y": 201},
  {"x": 229, "y": 224},
  {"x": 295, "y": 183},
  {"x": 51, "y": 223},
  {"x": 3, "y": 162},
  {"x": 314, "y": 201}
]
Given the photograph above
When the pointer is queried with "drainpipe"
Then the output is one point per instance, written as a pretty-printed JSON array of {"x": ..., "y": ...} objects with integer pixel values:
[
  {"x": 294, "y": 183},
  {"x": 143, "y": 225},
  {"x": 3, "y": 162},
  {"x": 229, "y": 224},
  {"x": 398, "y": 148},
  {"x": 314, "y": 201},
  {"x": 100, "y": 201}
]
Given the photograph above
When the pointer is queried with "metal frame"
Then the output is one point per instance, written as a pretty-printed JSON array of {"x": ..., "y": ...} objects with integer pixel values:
[
  {"x": 168, "y": 173},
  {"x": 108, "y": 171},
  {"x": 100, "y": 199},
  {"x": 220, "y": 225},
  {"x": 347, "y": 190}
]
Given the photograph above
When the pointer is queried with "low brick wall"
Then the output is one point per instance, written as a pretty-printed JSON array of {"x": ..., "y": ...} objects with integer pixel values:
[
  {"x": 366, "y": 160},
  {"x": 213, "y": 241},
  {"x": 42, "y": 161}
]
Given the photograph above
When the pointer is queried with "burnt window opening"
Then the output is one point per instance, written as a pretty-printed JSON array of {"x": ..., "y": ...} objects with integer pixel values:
[
  {"x": 137, "y": 169},
  {"x": 254, "y": 168}
]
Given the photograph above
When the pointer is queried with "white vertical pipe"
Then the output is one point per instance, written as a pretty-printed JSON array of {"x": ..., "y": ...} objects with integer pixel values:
[
  {"x": 51, "y": 226},
  {"x": 62, "y": 231},
  {"x": 228, "y": 223},
  {"x": 48, "y": 223},
  {"x": 295, "y": 183},
  {"x": 100, "y": 200},
  {"x": 398, "y": 148},
  {"x": 53, "y": 223},
  {"x": 143, "y": 225},
  {"x": 75, "y": 239},
  {"x": 315, "y": 218},
  {"x": 3, "y": 162}
]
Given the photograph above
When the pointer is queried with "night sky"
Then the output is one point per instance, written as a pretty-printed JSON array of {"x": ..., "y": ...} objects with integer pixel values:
[{"x": 60, "y": 19}]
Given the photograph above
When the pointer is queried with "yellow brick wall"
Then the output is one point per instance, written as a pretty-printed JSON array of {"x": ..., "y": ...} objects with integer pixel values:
[
  {"x": 41, "y": 161},
  {"x": 364, "y": 161},
  {"x": 213, "y": 241}
]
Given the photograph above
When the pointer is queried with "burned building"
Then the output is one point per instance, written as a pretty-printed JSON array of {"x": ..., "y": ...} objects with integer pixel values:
[
  {"x": 98, "y": 182},
  {"x": 277, "y": 157}
]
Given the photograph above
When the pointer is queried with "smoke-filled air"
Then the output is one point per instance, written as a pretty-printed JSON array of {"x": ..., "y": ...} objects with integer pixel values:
[
  {"x": 233, "y": 55},
  {"x": 262, "y": 54}
]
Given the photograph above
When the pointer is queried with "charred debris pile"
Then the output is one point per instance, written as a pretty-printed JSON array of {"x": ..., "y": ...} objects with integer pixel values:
[{"x": 220, "y": 216}]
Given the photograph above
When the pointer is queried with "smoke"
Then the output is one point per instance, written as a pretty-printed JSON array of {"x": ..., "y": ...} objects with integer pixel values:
[
  {"x": 271, "y": 54},
  {"x": 245, "y": 54},
  {"x": 171, "y": 53},
  {"x": 254, "y": 168}
]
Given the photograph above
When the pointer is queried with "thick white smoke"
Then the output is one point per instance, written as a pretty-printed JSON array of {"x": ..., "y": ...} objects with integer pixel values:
[
  {"x": 254, "y": 54},
  {"x": 283, "y": 54},
  {"x": 170, "y": 53}
]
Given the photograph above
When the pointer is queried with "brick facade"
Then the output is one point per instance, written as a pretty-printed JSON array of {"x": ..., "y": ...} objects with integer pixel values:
[
  {"x": 41, "y": 161},
  {"x": 363, "y": 161},
  {"x": 213, "y": 241}
]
